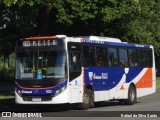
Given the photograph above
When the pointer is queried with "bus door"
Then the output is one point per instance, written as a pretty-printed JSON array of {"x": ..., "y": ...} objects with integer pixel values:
[{"x": 75, "y": 79}]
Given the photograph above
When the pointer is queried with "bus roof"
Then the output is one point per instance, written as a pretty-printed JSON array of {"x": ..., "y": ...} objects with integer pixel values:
[
  {"x": 106, "y": 39},
  {"x": 40, "y": 37},
  {"x": 111, "y": 41},
  {"x": 45, "y": 37},
  {"x": 92, "y": 39}
]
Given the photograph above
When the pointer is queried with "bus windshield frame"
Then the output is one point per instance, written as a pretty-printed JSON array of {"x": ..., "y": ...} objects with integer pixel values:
[{"x": 41, "y": 62}]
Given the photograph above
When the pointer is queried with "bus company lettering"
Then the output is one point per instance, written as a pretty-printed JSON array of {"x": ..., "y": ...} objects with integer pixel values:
[
  {"x": 39, "y": 43},
  {"x": 25, "y": 91},
  {"x": 92, "y": 41},
  {"x": 97, "y": 77},
  {"x": 139, "y": 45}
]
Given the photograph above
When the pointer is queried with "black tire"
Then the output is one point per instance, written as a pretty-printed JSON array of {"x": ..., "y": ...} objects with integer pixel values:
[
  {"x": 92, "y": 105},
  {"x": 86, "y": 100},
  {"x": 132, "y": 97}
]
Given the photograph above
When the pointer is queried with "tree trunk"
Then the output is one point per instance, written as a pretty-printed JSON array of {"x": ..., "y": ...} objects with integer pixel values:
[
  {"x": 44, "y": 20},
  {"x": 4, "y": 60},
  {"x": 4, "y": 64},
  {"x": 9, "y": 62}
]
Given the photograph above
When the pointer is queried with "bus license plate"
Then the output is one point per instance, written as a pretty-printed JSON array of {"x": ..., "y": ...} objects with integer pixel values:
[{"x": 36, "y": 99}]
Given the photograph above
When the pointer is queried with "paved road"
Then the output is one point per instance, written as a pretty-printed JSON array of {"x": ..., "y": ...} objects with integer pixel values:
[
  {"x": 147, "y": 103},
  {"x": 67, "y": 112},
  {"x": 147, "y": 106}
]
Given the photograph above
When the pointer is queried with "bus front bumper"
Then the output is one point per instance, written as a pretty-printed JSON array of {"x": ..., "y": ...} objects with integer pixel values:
[{"x": 59, "y": 99}]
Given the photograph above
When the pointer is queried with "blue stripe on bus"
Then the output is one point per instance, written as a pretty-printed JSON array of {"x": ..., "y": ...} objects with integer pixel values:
[
  {"x": 107, "y": 78},
  {"x": 44, "y": 91},
  {"x": 133, "y": 72},
  {"x": 116, "y": 44}
]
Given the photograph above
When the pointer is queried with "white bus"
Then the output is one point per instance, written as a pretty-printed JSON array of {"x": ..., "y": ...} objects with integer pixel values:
[{"x": 84, "y": 70}]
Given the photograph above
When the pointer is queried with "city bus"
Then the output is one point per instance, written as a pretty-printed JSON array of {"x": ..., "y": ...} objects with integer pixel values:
[{"x": 82, "y": 70}]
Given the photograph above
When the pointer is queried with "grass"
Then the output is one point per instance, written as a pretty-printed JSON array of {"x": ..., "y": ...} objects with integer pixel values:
[
  {"x": 158, "y": 84},
  {"x": 6, "y": 95}
]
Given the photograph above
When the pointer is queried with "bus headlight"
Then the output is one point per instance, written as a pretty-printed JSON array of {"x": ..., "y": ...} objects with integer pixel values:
[
  {"x": 60, "y": 90},
  {"x": 57, "y": 92},
  {"x": 63, "y": 88},
  {"x": 18, "y": 92}
]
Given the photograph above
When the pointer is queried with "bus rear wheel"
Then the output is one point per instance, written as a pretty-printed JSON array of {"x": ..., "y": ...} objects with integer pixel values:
[
  {"x": 86, "y": 100},
  {"x": 131, "y": 96}
]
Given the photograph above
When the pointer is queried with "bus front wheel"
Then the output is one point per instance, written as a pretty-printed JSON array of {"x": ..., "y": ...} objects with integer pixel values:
[{"x": 86, "y": 100}]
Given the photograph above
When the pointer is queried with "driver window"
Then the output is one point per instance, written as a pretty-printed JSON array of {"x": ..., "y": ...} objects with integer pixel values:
[{"x": 75, "y": 63}]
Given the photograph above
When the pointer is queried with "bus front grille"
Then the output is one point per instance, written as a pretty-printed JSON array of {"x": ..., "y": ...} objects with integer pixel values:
[{"x": 37, "y": 98}]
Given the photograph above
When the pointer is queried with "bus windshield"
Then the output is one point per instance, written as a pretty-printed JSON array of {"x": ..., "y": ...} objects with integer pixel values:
[{"x": 41, "y": 64}]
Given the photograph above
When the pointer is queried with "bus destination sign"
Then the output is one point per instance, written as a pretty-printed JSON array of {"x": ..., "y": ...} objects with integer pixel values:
[{"x": 39, "y": 43}]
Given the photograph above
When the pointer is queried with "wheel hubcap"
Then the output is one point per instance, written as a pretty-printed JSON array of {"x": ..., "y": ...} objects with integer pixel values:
[
  {"x": 132, "y": 96},
  {"x": 85, "y": 98}
]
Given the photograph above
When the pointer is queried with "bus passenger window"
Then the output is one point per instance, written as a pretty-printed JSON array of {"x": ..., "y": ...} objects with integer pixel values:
[
  {"x": 101, "y": 56},
  {"x": 88, "y": 56},
  {"x": 133, "y": 58},
  {"x": 149, "y": 58},
  {"x": 123, "y": 57},
  {"x": 113, "y": 57},
  {"x": 142, "y": 58},
  {"x": 105, "y": 56}
]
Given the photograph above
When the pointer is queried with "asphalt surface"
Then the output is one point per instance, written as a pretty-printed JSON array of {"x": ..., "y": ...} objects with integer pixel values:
[
  {"x": 149, "y": 104},
  {"x": 146, "y": 103}
]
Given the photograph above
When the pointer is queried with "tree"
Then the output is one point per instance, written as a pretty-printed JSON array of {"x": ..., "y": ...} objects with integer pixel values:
[
  {"x": 135, "y": 21},
  {"x": 143, "y": 24}
]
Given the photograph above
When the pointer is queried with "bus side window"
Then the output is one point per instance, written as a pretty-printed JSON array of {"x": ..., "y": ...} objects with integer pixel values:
[
  {"x": 105, "y": 56},
  {"x": 88, "y": 56},
  {"x": 113, "y": 57},
  {"x": 99, "y": 57},
  {"x": 123, "y": 57},
  {"x": 75, "y": 63},
  {"x": 102, "y": 56},
  {"x": 142, "y": 58},
  {"x": 133, "y": 58},
  {"x": 149, "y": 58}
]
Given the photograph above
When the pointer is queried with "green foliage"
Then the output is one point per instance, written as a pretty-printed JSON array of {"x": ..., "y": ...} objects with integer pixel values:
[
  {"x": 70, "y": 10},
  {"x": 143, "y": 26},
  {"x": 135, "y": 21},
  {"x": 8, "y": 2},
  {"x": 158, "y": 84}
]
